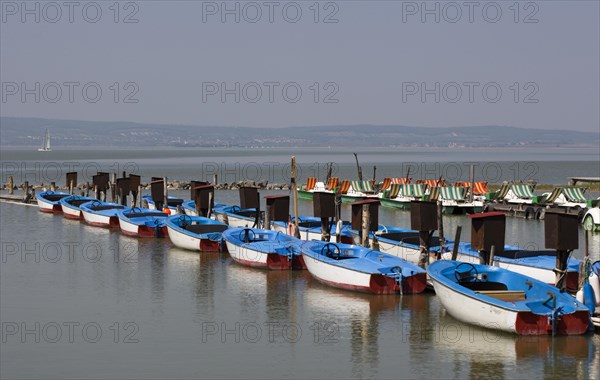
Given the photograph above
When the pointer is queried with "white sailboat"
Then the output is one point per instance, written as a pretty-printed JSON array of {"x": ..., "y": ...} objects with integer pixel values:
[{"x": 46, "y": 146}]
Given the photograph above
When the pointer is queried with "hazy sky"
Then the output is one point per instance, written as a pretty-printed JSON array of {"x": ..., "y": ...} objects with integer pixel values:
[{"x": 533, "y": 64}]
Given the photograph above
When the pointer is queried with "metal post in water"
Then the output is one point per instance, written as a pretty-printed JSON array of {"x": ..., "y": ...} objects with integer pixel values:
[
  {"x": 165, "y": 194},
  {"x": 471, "y": 182},
  {"x": 268, "y": 216},
  {"x": 492, "y": 254},
  {"x": 484, "y": 257},
  {"x": 441, "y": 230},
  {"x": 26, "y": 190},
  {"x": 366, "y": 218},
  {"x": 338, "y": 218},
  {"x": 295, "y": 190},
  {"x": 113, "y": 180}
]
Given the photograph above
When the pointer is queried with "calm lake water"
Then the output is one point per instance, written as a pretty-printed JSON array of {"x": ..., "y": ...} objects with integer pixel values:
[{"x": 83, "y": 302}]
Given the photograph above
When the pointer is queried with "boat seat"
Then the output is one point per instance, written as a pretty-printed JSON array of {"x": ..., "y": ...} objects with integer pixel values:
[{"x": 504, "y": 295}]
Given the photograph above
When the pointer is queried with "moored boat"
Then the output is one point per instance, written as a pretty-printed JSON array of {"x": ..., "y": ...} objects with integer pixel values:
[
  {"x": 499, "y": 299},
  {"x": 143, "y": 222},
  {"x": 49, "y": 201},
  {"x": 196, "y": 233},
  {"x": 264, "y": 248},
  {"x": 101, "y": 214},
  {"x": 189, "y": 207},
  {"x": 310, "y": 228},
  {"x": 174, "y": 203},
  {"x": 357, "y": 268},
  {"x": 71, "y": 206},
  {"x": 539, "y": 264},
  {"x": 235, "y": 216}
]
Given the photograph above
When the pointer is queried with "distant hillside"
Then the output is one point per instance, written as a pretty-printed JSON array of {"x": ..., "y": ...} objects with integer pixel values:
[{"x": 30, "y": 131}]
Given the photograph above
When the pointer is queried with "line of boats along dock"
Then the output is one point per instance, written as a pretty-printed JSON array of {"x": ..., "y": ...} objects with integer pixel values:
[{"x": 484, "y": 282}]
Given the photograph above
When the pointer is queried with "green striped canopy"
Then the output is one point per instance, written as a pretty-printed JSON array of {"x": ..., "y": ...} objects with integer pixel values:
[
  {"x": 362, "y": 186},
  {"x": 412, "y": 190},
  {"x": 574, "y": 194},
  {"x": 453, "y": 193},
  {"x": 522, "y": 191}
]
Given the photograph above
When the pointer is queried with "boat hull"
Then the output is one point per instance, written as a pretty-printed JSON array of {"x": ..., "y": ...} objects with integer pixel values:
[
  {"x": 71, "y": 212},
  {"x": 476, "y": 312},
  {"x": 133, "y": 229},
  {"x": 192, "y": 243},
  {"x": 348, "y": 279},
  {"x": 98, "y": 220},
  {"x": 50, "y": 207},
  {"x": 234, "y": 221},
  {"x": 273, "y": 261},
  {"x": 395, "y": 204}
]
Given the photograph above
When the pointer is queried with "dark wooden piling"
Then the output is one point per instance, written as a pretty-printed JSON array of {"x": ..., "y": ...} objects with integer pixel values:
[
  {"x": 456, "y": 242},
  {"x": 561, "y": 232},
  {"x": 423, "y": 218},
  {"x": 11, "y": 185}
]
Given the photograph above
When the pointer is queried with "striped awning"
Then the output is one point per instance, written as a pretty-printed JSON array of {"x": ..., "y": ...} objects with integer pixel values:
[
  {"x": 574, "y": 194},
  {"x": 401, "y": 180},
  {"x": 453, "y": 193},
  {"x": 412, "y": 190},
  {"x": 522, "y": 191},
  {"x": 393, "y": 191},
  {"x": 479, "y": 188}
]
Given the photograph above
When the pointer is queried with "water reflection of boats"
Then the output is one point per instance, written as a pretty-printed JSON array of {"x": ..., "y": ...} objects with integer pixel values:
[
  {"x": 337, "y": 303},
  {"x": 484, "y": 352}
]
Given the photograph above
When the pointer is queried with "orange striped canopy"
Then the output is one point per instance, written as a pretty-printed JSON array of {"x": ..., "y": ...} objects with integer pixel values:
[
  {"x": 344, "y": 187},
  {"x": 402, "y": 181},
  {"x": 432, "y": 182},
  {"x": 310, "y": 183},
  {"x": 479, "y": 188},
  {"x": 332, "y": 183}
]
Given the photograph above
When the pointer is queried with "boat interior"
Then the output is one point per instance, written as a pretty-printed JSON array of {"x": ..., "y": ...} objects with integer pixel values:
[
  {"x": 55, "y": 197},
  {"x": 145, "y": 214},
  {"x": 521, "y": 254},
  {"x": 175, "y": 202},
  {"x": 204, "y": 228},
  {"x": 410, "y": 237},
  {"x": 77, "y": 202},
  {"x": 106, "y": 207}
]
